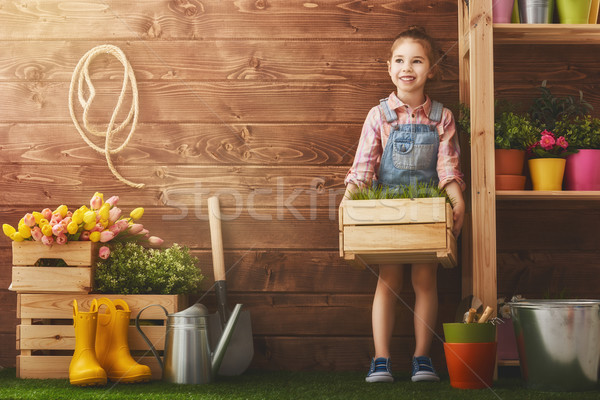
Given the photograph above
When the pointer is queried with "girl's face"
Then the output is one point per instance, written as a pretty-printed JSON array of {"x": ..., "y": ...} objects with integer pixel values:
[{"x": 410, "y": 68}]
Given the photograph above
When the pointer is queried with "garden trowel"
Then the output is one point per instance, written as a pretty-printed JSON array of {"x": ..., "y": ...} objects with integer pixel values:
[{"x": 241, "y": 347}]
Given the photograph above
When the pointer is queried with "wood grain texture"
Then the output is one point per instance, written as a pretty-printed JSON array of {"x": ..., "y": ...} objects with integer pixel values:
[
  {"x": 189, "y": 144},
  {"x": 210, "y": 19}
]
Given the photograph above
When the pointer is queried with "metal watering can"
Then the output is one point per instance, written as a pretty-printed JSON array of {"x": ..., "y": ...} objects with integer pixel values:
[{"x": 187, "y": 355}]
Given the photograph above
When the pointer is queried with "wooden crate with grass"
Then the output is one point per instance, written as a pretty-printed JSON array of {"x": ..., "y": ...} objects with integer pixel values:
[
  {"x": 46, "y": 337},
  {"x": 77, "y": 276},
  {"x": 397, "y": 231}
]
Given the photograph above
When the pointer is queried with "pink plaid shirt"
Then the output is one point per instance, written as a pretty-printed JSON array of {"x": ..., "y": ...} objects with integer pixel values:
[{"x": 376, "y": 132}]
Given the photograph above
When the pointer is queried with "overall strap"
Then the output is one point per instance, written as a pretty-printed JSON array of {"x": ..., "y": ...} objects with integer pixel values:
[
  {"x": 435, "y": 114},
  {"x": 390, "y": 115}
]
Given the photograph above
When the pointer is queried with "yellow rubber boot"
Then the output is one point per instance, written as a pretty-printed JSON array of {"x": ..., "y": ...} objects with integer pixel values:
[
  {"x": 84, "y": 369},
  {"x": 112, "y": 348}
]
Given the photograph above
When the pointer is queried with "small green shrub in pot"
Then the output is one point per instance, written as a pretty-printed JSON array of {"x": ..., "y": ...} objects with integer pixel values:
[
  {"x": 514, "y": 131},
  {"x": 133, "y": 269},
  {"x": 580, "y": 132}
]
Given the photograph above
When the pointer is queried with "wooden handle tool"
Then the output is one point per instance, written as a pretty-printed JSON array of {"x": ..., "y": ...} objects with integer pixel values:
[
  {"x": 471, "y": 315},
  {"x": 486, "y": 315}
]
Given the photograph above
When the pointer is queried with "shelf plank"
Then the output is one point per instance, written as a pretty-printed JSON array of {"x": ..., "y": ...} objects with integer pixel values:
[
  {"x": 547, "y": 195},
  {"x": 546, "y": 33}
]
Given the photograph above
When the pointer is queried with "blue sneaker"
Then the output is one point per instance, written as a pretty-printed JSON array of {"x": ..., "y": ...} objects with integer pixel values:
[
  {"x": 422, "y": 370},
  {"x": 380, "y": 371}
]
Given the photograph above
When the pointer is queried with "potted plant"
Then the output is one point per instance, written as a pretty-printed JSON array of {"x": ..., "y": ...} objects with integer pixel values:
[
  {"x": 582, "y": 170},
  {"x": 547, "y": 161},
  {"x": 405, "y": 224},
  {"x": 513, "y": 134}
]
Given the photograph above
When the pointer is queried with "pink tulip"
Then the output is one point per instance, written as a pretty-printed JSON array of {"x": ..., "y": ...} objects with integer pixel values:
[
  {"x": 144, "y": 232},
  {"x": 58, "y": 229},
  {"x": 29, "y": 220},
  {"x": 113, "y": 201},
  {"x": 47, "y": 213},
  {"x": 36, "y": 233},
  {"x": 97, "y": 228},
  {"x": 55, "y": 219},
  {"x": 136, "y": 228},
  {"x": 104, "y": 252},
  {"x": 114, "y": 214},
  {"x": 48, "y": 240},
  {"x": 155, "y": 241},
  {"x": 106, "y": 236},
  {"x": 114, "y": 229},
  {"x": 69, "y": 214},
  {"x": 66, "y": 221},
  {"x": 85, "y": 235},
  {"x": 61, "y": 239},
  {"x": 122, "y": 224},
  {"x": 96, "y": 202}
]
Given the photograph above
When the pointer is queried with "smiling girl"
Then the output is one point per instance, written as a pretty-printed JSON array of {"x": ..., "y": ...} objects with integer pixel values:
[{"x": 408, "y": 139}]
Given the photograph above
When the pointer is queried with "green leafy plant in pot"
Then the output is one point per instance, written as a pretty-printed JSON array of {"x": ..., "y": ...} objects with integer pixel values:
[
  {"x": 582, "y": 170},
  {"x": 513, "y": 134},
  {"x": 133, "y": 269}
]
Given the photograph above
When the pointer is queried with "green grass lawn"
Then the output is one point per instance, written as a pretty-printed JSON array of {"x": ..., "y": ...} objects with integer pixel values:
[{"x": 256, "y": 385}]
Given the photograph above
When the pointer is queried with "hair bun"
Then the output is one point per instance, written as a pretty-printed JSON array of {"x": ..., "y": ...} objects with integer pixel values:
[{"x": 416, "y": 28}]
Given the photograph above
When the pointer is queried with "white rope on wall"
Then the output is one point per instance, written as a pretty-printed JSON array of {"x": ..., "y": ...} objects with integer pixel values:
[{"x": 80, "y": 73}]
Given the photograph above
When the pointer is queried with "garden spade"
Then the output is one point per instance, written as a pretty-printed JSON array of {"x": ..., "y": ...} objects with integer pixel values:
[{"x": 241, "y": 347}]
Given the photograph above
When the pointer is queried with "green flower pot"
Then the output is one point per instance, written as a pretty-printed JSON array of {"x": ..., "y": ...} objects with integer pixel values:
[
  {"x": 573, "y": 11},
  {"x": 458, "y": 332}
]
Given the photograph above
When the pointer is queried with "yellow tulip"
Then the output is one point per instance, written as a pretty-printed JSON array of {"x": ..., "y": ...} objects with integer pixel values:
[
  {"x": 8, "y": 229},
  {"x": 47, "y": 230},
  {"x": 89, "y": 217},
  {"x": 73, "y": 227},
  {"x": 43, "y": 222},
  {"x": 38, "y": 216},
  {"x": 137, "y": 213},
  {"x": 17, "y": 237},
  {"x": 62, "y": 210},
  {"x": 21, "y": 221},
  {"x": 95, "y": 236},
  {"x": 84, "y": 209},
  {"x": 25, "y": 231},
  {"x": 77, "y": 217},
  {"x": 104, "y": 212},
  {"x": 89, "y": 226}
]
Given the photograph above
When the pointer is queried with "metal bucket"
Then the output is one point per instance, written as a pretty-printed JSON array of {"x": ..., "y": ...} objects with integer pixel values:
[
  {"x": 536, "y": 11},
  {"x": 558, "y": 343}
]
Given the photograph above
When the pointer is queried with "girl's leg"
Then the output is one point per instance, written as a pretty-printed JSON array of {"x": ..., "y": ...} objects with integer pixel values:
[
  {"x": 424, "y": 281},
  {"x": 384, "y": 304}
]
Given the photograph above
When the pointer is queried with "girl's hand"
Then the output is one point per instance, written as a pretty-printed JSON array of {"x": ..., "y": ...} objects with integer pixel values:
[
  {"x": 458, "y": 206},
  {"x": 351, "y": 188}
]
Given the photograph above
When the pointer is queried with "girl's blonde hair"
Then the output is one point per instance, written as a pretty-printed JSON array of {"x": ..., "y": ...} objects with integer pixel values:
[{"x": 418, "y": 34}]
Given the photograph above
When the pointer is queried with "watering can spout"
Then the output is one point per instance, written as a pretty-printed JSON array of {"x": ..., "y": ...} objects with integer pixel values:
[{"x": 224, "y": 340}]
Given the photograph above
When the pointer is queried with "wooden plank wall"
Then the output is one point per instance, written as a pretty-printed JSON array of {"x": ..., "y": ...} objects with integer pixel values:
[{"x": 260, "y": 102}]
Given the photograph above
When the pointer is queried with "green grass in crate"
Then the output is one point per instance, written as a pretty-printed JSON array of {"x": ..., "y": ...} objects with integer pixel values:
[
  {"x": 255, "y": 385},
  {"x": 419, "y": 191}
]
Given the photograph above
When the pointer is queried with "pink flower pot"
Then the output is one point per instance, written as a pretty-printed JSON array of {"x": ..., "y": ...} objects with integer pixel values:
[
  {"x": 507, "y": 342},
  {"x": 502, "y": 11},
  {"x": 582, "y": 171}
]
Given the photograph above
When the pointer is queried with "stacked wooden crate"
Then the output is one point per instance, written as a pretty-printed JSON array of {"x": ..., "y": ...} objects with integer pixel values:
[{"x": 45, "y": 335}]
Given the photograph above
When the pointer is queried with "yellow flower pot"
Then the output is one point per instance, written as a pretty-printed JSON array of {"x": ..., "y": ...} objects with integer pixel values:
[{"x": 547, "y": 173}]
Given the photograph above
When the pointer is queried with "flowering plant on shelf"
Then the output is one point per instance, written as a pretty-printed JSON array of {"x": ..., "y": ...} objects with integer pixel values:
[
  {"x": 549, "y": 146},
  {"x": 101, "y": 222}
]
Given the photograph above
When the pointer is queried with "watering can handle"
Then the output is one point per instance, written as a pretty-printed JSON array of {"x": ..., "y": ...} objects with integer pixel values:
[{"x": 137, "y": 325}]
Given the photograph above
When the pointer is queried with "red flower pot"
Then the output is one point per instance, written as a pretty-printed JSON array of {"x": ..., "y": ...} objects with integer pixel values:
[{"x": 470, "y": 365}]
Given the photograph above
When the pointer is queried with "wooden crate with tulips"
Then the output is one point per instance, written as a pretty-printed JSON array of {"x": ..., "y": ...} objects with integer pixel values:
[
  {"x": 46, "y": 337},
  {"x": 397, "y": 231}
]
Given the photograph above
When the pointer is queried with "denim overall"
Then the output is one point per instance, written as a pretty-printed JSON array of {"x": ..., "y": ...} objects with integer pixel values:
[{"x": 410, "y": 155}]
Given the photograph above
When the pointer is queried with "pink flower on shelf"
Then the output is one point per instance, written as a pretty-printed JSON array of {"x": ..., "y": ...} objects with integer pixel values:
[
  {"x": 113, "y": 201},
  {"x": 114, "y": 229},
  {"x": 55, "y": 219},
  {"x": 136, "y": 228},
  {"x": 47, "y": 213},
  {"x": 29, "y": 220},
  {"x": 36, "y": 233},
  {"x": 58, "y": 229},
  {"x": 155, "y": 241},
  {"x": 85, "y": 235},
  {"x": 106, "y": 236},
  {"x": 562, "y": 142},
  {"x": 144, "y": 232},
  {"x": 122, "y": 224},
  {"x": 104, "y": 252},
  {"x": 61, "y": 239},
  {"x": 96, "y": 202},
  {"x": 97, "y": 228},
  {"x": 114, "y": 214},
  {"x": 48, "y": 240},
  {"x": 547, "y": 142}
]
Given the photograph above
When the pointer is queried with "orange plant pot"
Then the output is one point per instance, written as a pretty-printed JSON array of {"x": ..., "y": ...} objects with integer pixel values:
[
  {"x": 470, "y": 365},
  {"x": 509, "y": 162},
  {"x": 510, "y": 182}
]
